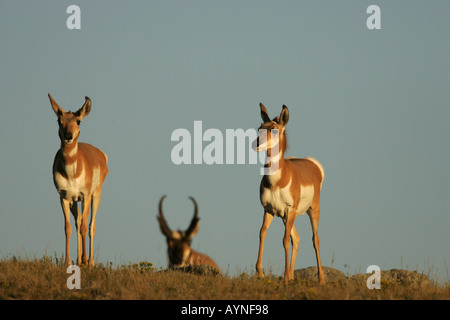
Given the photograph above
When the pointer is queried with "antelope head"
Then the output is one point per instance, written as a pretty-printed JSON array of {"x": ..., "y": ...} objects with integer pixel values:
[
  {"x": 69, "y": 122},
  {"x": 179, "y": 248},
  {"x": 179, "y": 242},
  {"x": 271, "y": 131}
]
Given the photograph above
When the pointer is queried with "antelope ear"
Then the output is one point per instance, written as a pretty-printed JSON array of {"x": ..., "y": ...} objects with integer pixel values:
[
  {"x": 85, "y": 109},
  {"x": 264, "y": 114},
  {"x": 56, "y": 108},
  {"x": 284, "y": 116}
]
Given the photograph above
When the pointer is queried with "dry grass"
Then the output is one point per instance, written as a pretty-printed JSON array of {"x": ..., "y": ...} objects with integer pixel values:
[{"x": 46, "y": 279}]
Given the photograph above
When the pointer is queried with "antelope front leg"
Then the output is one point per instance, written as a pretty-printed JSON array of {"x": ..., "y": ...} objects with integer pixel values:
[
  {"x": 262, "y": 235},
  {"x": 65, "y": 205},
  {"x": 77, "y": 217},
  {"x": 289, "y": 224},
  {"x": 295, "y": 241}
]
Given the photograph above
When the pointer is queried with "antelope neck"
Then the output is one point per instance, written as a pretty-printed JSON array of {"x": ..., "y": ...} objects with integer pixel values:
[
  {"x": 69, "y": 151},
  {"x": 275, "y": 160}
]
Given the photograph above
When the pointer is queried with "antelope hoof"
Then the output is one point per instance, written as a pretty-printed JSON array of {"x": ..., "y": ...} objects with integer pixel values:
[{"x": 259, "y": 272}]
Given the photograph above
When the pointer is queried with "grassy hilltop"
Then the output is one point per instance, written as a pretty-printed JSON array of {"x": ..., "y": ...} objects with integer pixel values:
[{"x": 46, "y": 278}]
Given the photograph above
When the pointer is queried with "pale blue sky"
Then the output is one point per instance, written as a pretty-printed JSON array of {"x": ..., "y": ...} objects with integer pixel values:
[{"x": 372, "y": 106}]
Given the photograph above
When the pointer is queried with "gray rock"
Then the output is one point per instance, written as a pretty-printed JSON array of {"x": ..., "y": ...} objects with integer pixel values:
[
  {"x": 397, "y": 277},
  {"x": 310, "y": 274}
]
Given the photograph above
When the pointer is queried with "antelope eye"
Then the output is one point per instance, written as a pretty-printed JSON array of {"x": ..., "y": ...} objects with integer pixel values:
[{"x": 78, "y": 122}]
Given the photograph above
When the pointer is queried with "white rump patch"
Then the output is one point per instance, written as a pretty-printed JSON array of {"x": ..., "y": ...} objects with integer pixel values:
[
  {"x": 319, "y": 165},
  {"x": 105, "y": 156}
]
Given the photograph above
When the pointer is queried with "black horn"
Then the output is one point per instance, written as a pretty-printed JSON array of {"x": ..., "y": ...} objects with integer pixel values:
[
  {"x": 162, "y": 221},
  {"x": 195, "y": 223}
]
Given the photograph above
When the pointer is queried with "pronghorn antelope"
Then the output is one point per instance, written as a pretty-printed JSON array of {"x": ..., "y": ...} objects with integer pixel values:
[
  {"x": 79, "y": 170},
  {"x": 179, "y": 249},
  {"x": 292, "y": 189}
]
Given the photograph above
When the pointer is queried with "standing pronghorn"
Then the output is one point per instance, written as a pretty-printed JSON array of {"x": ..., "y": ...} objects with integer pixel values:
[
  {"x": 292, "y": 188},
  {"x": 179, "y": 248},
  {"x": 79, "y": 170}
]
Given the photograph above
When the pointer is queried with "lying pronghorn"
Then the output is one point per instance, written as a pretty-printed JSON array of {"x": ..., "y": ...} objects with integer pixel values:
[
  {"x": 79, "y": 170},
  {"x": 292, "y": 188},
  {"x": 179, "y": 248}
]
